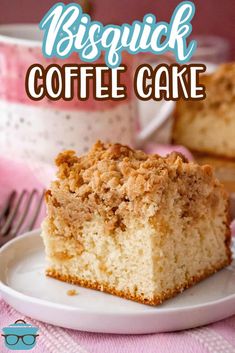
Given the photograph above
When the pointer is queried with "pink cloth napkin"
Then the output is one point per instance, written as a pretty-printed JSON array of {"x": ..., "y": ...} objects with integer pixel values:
[{"x": 216, "y": 338}]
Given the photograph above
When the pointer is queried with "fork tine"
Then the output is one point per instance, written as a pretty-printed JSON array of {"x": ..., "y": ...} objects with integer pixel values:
[
  {"x": 24, "y": 213},
  {"x": 8, "y": 204},
  {"x": 13, "y": 212},
  {"x": 36, "y": 213}
]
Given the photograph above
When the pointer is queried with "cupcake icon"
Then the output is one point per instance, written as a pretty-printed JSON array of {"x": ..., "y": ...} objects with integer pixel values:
[{"x": 20, "y": 335}]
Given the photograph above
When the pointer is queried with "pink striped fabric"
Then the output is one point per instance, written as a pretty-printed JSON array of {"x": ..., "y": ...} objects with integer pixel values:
[{"x": 216, "y": 338}]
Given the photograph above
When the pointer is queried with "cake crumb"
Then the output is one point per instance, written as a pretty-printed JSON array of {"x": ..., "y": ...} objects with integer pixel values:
[{"x": 72, "y": 292}]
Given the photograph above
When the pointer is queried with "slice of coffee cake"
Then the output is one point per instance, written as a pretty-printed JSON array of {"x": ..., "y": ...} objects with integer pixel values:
[
  {"x": 134, "y": 225},
  {"x": 208, "y": 126}
]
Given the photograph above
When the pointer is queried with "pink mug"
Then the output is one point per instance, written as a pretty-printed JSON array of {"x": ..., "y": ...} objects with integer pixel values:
[{"x": 36, "y": 131}]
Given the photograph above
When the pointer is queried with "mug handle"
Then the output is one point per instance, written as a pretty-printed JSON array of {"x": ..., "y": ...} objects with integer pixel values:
[
  {"x": 166, "y": 108},
  {"x": 157, "y": 121}
]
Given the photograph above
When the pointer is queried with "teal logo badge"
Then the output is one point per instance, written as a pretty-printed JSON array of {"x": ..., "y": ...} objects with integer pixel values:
[{"x": 20, "y": 336}]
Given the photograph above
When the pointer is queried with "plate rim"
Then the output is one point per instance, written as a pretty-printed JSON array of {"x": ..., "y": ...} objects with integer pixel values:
[{"x": 6, "y": 289}]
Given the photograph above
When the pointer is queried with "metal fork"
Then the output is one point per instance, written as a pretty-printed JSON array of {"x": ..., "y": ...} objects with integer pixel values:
[{"x": 14, "y": 215}]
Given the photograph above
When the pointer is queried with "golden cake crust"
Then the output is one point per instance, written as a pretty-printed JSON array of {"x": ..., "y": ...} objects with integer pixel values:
[{"x": 157, "y": 300}]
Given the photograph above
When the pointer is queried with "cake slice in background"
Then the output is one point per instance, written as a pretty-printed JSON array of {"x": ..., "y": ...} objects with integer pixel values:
[
  {"x": 138, "y": 226},
  {"x": 224, "y": 169},
  {"x": 208, "y": 125}
]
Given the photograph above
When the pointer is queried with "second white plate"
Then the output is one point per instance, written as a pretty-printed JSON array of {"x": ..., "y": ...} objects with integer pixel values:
[{"x": 24, "y": 286}]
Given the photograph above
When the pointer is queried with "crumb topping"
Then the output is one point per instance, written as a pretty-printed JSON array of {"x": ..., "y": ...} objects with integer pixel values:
[
  {"x": 118, "y": 182},
  {"x": 109, "y": 166},
  {"x": 72, "y": 292}
]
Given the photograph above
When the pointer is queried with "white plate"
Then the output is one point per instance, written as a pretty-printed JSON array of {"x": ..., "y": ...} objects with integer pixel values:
[{"x": 25, "y": 287}]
